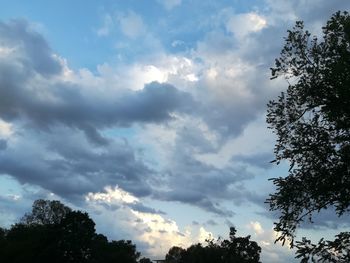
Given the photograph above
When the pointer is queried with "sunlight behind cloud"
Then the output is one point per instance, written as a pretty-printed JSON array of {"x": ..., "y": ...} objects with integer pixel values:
[
  {"x": 5, "y": 129},
  {"x": 243, "y": 24},
  {"x": 5, "y": 51}
]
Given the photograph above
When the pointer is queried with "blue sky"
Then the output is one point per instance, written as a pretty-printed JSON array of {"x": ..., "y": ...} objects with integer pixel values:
[{"x": 148, "y": 114}]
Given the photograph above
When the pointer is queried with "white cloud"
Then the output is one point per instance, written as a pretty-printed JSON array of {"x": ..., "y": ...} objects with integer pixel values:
[
  {"x": 158, "y": 232},
  {"x": 132, "y": 25},
  {"x": 5, "y": 51},
  {"x": 177, "y": 70},
  {"x": 244, "y": 24},
  {"x": 271, "y": 252},
  {"x": 256, "y": 227},
  {"x": 111, "y": 195}
]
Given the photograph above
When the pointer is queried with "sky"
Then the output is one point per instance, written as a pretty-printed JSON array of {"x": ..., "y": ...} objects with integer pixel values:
[{"x": 148, "y": 114}]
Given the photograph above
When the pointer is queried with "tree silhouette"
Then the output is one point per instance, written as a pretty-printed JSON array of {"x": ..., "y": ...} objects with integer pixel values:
[
  {"x": 45, "y": 212},
  {"x": 54, "y": 233},
  {"x": 312, "y": 124},
  {"x": 233, "y": 250},
  {"x": 145, "y": 260},
  {"x": 174, "y": 254},
  {"x": 76, "y": 233},
  {"x": 240, "y": 249}
]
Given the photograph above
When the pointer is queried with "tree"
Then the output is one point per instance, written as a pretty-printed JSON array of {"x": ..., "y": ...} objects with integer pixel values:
[
  {"x": 46, "y": 212},
  {"x": 52, "y": 232},
  {"x": 312, "y": 124},
  {"x": 145, "y": 260},
  {"x": 240, "y": 249},
  {"x": 76, "y": 233},
  {"x": 234, "y": 250},
  {"x": 30, "y": 243},
  {"x": 174, "y": 254}
]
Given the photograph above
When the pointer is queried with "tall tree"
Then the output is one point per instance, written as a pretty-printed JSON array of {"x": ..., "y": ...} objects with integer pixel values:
[
  {"x": 312, "y": 123},
  {"x": 76, "y": 235},
  {"x": 174, "y": 254},
  {"x": 240, "y": 249},
  {"x": 46, "y": 212}
]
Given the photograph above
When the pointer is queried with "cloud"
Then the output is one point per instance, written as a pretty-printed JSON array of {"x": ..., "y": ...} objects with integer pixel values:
[
  {"x": 41, "y": 96},
  {"x": 3, "y": 144},
  {"x": 33, "y": 52},
  {"x": 189, "y": 174},
  {"x": 170, "y": 4},
  {"x": 327, "y": 219},
  {"x": 73, "y": 168},
  {"x": 256, "y": 227},
  {"x": 132, "y": 25},
  {"x": 5, "y": 129},
  {"x": 114, "y": 198},
  {"x": 270, "y": 252},
  {"x": 66, "y": 105},
  {"x": 107, "y": 26},
  {"x": 211, "y": 222},
  {"x": 153, "y": 231},
  {"x": 243, "y": 24}
]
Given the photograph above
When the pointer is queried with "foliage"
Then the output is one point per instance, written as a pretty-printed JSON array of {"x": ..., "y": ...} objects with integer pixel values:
[
  {"x": 145, "y": 260},
  {"x": 54, "y": 233},
  {"x": 240, "y": 249},
  {"x": 326, "y": 251},
  {"x": 312, "y": 124},
  {"x": 46, "y": 212},
  {"x": 174, "y": 254},
  {"x": 76, "y": 232},
  {"x": 234, "y": 250}
]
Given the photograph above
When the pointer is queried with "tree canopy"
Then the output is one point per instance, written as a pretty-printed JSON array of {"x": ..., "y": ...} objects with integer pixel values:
[
  {"x": 312, "y": 123},
  {"x": 234, "y": 250},
  {"x": 53, "y": 232},
  {"x": 45, "y": 212}
]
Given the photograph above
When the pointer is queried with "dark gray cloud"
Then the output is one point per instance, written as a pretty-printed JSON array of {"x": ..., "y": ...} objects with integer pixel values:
[
  {"x": 68, "y": 106},
  {"x": 31, "y": 49},
  {"x": 52, "y": 153},
  {"x": 203, "y": 185},
  {"x": 211, "y": 222},
  {"x": 325, "y": 219},
  {"x": 66, "y": 164},
  {"x": 139, "y": 207},
  {"x": 42, "y": 102},
  {"x": 262, "y": 160},
  {"x": 328, "y": 219},
  {"x": 229, "y": 223},
  {"x": 3, "y": 144}
]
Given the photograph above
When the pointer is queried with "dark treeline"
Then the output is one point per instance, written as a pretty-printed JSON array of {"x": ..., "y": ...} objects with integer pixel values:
[
  {"x": 53, "y": 232},
  {"x": 235, "y": 249}
]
